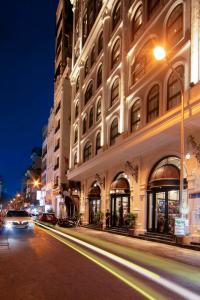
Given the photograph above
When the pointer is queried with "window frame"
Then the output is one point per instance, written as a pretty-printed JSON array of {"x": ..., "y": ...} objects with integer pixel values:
[
  {"x": 135, "y": 108},
  {"x": 116, "y": 15},
  {"x": 136, "y": 17},
  {"x": 91, "y": 117},
  {"x": 89, "y": 92},
  {"x": 114, "y": 96},
  {"x": 116, "y": 53},
  {"x": 173, "y": 38},
  {"x": 175, "y": 84},
  {"x": 153, "y": 99},
  {"x": 113, "y": 133},
  {"x": 99, "y": 76},
  {"x": 87, "y": 151},
  {"x": 98, "y": 112},
  {"x": 98, "y": 142}
]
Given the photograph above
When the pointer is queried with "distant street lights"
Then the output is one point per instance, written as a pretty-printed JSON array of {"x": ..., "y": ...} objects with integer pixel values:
[{"x": 160, "y": 55}]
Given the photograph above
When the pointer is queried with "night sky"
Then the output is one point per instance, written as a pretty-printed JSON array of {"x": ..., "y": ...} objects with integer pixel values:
[{"x": 26, "y": 82}]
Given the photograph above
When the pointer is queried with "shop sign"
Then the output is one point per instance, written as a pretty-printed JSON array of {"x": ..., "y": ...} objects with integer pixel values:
[{"x": 179, "y": 227}]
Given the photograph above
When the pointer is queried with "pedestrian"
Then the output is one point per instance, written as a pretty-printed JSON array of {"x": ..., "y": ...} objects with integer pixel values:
[{"x": 107, "y": 218}]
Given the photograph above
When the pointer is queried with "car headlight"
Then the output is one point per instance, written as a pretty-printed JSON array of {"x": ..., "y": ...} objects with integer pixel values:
[
  {"x": 30, "y": 224},
  {"x": 8, "y": 225}
]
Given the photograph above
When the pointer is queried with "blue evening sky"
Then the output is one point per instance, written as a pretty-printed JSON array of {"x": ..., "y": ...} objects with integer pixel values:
[{"x": 26, "y": 82}]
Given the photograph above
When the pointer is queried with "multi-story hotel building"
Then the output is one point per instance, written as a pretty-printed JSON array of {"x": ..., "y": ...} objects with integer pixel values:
[
  {"x": 56, "y": 143},
  {"x": 126, "y": 111}
]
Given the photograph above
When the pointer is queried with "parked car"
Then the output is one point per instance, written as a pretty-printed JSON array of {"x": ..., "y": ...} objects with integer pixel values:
[
  {"x": 17, "y": 219},
  {"x": 49, "y": 218}
]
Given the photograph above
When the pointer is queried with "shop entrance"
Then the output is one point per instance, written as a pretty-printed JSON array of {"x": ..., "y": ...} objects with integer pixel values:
[
  {"x": 120, "y": 207},
  {"x": 119, "y": 201},
  {"x": 163, "y": 200},
  {"x": 163, "y": 208},
  {"x": 94, "y": 199}
]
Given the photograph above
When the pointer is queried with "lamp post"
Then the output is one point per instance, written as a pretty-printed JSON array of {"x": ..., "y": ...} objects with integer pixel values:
[{"x": 160, "y": 55}]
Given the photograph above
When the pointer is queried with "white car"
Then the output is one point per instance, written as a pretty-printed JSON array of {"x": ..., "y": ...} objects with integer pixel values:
[{"x": 17, "y": 219}]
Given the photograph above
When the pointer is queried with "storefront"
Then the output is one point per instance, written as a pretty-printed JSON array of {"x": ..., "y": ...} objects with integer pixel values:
[
  {"x": 163, "y": 202},
  {"x": 94, "y": 199},
  {"x": 119, "y": 201},
  {"x": 70, "y": 207}
]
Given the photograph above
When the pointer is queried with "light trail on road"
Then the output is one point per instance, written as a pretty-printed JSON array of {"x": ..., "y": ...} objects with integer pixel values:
[{"x": 167, "y": 284}]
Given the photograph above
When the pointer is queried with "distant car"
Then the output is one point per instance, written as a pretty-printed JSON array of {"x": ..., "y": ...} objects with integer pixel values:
[
  {"x": 49, "y": 218},
  {"x": 17, "y": 219}
]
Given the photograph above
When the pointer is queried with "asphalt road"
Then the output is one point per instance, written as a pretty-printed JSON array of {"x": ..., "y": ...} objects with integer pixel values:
[{"x": 40, "y": 266}]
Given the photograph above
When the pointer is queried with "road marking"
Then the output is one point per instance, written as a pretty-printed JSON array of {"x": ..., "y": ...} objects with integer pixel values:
[
  {"x": 175, "y": 288},
  {"x": 122, "y": 278}
]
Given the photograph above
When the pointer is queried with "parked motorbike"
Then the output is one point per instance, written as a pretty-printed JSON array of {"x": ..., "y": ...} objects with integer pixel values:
[{"x": 65, "y": 223}]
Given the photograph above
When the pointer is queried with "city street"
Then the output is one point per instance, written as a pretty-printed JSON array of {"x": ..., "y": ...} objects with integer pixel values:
[{"x": 42, "y": 266}]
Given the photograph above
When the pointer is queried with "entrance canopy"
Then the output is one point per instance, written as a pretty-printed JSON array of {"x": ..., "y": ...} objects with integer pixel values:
[{"x": 165, "y": 176}]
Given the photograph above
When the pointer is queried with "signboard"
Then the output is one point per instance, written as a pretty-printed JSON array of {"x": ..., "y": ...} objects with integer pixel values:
[{"x": 179, "y": 229}]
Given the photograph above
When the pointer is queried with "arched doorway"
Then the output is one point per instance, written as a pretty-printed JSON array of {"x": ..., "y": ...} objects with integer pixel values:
[
  {"x": 94, "y": 198},
  {"x": 163, "y": 201},
  {"x": 71, "y": 208},
  {"x": 119, "y": 200}
]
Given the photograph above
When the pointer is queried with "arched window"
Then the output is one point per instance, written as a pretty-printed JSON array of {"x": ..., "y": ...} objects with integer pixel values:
[
  {"x": 100, "y": 42},
  {"x": 92, "y": 57},
  {"x": 114, "y": 92},
  {"x": 75, "y": 159},
  {"x": 153, "y": 103},
  {"x": 89, "y": 92},
  {"x": 98, "y": 142},
  {"x": 143, "y": 62},
  {"x": 152, "y": 6},
  {"x": 76, "y": 109},
  {"x": 98, "y": 111},
  {"x": 87, "y": 152},
  {"x": 75, "y": 135},
  {"x": 91, "y": 117},
  {"x": 174, "y": 29},
  {"x": 84, "y": 125},
  {"x": 116, "y": 16},
  {"x": 86, "y": 67},
  {"x": 136, "y": 21},
  {"x": 135, "y": 116},
  {"x": 77, "y": 84},
  {"x": 113, "y": 131},
  {"x": 174, "y": 88},
  {"x": 99, "y": 76},
  {"x": 115, "y": 55}
]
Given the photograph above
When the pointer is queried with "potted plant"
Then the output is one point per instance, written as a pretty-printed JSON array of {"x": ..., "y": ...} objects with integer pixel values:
[
  {"x": 99, "y": 219},
  {"x": 131, "y": 221}
]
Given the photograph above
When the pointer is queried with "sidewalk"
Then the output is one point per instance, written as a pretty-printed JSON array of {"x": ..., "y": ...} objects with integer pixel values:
[{"x": 125, "y": 244}]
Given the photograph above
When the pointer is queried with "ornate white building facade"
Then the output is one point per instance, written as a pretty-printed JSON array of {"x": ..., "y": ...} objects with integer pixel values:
[{"x": 126, "y": 112}]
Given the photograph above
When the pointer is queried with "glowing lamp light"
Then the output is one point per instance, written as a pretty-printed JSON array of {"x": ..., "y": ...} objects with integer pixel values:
[
  {"x": 188, "y": 156},
  {"x": 159, "y": 53},
  {"x": 36, "y": 183}
]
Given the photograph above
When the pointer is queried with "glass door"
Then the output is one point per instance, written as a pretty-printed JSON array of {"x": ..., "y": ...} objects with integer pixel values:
[
  {"x": 120, "y": 207},
  {"x": 94, "y": 208}
]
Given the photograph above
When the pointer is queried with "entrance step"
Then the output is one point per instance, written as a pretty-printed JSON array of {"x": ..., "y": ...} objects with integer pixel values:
[
  {"x": 166, "y": 237},
  {"x": 158, "y": 237},
  {"x": 118, "y": 230},
  {"x": 93, "y": 226}
]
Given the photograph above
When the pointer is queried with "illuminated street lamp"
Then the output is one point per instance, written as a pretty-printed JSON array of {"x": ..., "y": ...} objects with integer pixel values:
[
  {"x": 36, "y": 183},
  {"x": 160, "y": 54}
]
